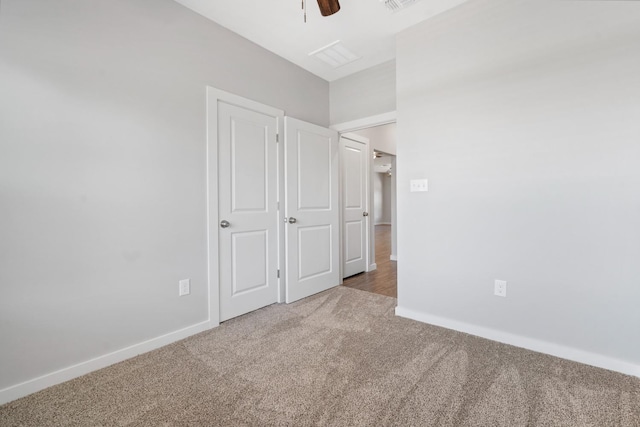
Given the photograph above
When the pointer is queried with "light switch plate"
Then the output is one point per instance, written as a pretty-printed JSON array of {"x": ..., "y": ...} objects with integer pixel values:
[{"x": 419, "y": 185}]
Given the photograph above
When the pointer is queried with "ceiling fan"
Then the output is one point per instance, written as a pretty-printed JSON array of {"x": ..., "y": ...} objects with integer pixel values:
[{"x": 327, "y": 7}]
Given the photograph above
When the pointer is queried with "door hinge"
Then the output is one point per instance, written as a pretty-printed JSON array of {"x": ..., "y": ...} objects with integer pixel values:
[
  {"x": 278, "y": 205},
  {"x": 278, "y": 274},
  {"x": 277, "y": 137}
]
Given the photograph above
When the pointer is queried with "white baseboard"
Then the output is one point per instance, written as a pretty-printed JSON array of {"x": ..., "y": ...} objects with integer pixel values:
[
  {"x": 540, "y": 346},
  {"x": 393, "y": 257},
  {"x": 372, "y": 267},
  {"x": 31, "y": 386}
]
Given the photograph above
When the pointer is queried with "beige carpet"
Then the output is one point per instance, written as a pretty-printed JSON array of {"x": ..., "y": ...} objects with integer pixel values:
[{"x": 339, "y": 358}]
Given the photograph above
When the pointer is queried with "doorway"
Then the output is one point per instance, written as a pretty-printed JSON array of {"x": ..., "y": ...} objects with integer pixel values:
[
  {"x": 382, "y": 276},
  {"x": 383, "y": 280}
]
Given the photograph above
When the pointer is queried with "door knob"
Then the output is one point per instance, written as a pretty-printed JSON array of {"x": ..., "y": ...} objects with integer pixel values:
[
  {"x": 365, "y": 213},
  {"x": 292, "y": 220},
  {"x": 224, "y": 223}
]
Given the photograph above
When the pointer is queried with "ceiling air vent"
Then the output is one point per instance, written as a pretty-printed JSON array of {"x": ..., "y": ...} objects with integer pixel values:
[
  {"x": 335, "y": 54},
  {"x": 396, "y": 5}
]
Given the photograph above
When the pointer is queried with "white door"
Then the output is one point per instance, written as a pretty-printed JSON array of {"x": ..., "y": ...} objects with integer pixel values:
[
  {"x": 247, "y": 208},
  {"x": 355, "y": 171},
  {"x": 312, "y": 212}
]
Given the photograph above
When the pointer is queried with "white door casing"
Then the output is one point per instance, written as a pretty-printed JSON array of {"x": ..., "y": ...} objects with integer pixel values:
[
  {"x": 243, "y": 191},
  {"x": 354, "y": 153},
  {"x": 311, "y": 209}
]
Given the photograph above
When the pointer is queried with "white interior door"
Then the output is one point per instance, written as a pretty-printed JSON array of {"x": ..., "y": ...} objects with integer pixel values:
[
  {"x": 355, "y": 172},
  {"x": 311, "y": 209},
  {"x": 247, "y": 207}
]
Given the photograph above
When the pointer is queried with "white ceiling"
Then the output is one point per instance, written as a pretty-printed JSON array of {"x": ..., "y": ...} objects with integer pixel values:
[{"x": 364, "y": 26}]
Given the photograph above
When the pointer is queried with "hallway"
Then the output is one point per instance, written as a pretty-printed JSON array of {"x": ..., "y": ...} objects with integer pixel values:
[{"x": 383, "y": 280}]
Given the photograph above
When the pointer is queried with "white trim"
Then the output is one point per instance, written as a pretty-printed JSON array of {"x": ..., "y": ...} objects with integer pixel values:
[
  {"x": 213, "y": 286},
  {"x": 31, "y": 386},
  {"x": 533, "y": 344},
  {"x": 239, "y": 101},
  {"x": 355, "y": 137},
  {"x": 367, "y": 122},
  {"x": 282, "y": 238},
  {"x": 393, "y": 257},
  {"x": 373, "y": 266}
]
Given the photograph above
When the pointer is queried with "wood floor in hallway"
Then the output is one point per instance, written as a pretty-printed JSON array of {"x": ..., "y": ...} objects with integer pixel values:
[{"x": 383, "y": 280}]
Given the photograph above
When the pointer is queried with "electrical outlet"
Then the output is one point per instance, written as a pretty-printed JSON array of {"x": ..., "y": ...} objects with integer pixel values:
[
  {"x": 419, "y": 185},
  {"x": 500, "y": 288},
  {"x": 184, "y": 287}
]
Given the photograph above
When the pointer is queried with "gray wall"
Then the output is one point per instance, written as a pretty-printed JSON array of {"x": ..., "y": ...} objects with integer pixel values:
[
  {"x": 378, "y": 197},
  {"x": 367, "y": 93},
  {"x": 524, "y": 116},
  {"x": 381, "y": 138},
  {"x": 102, "y": 169},
  {"x": 386, "y": 194},
  {"x": 381, "y": 198}
]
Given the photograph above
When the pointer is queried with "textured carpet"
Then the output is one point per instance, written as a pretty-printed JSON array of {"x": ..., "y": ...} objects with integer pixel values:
[{"x": 339, "y": 358}]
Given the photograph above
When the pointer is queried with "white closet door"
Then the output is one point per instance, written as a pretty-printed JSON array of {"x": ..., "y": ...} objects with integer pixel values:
[
  {"x": 247, "y": 208},
  {"x": 311, "y": 209}
]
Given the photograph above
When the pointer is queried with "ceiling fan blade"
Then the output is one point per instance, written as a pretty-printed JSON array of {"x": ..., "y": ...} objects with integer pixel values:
[{"x": 328, "y": 7}]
